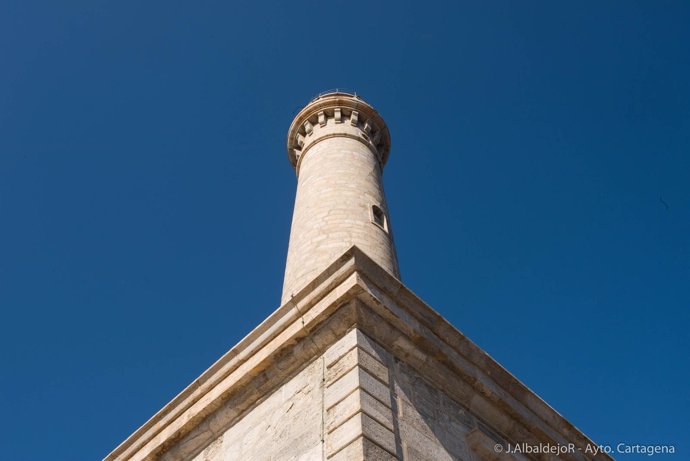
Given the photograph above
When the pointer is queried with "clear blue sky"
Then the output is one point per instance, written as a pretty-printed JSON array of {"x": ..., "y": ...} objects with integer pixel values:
[{"x": 539, "y": 186}]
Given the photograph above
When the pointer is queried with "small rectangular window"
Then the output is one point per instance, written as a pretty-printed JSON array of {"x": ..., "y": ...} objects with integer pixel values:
[{"x": 379, "y": 217}]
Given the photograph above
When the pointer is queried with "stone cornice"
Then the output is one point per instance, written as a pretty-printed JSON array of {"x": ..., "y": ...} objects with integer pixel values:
[
  {"x": 337, "y": 114},
  {"x": 353, "y": 292}
]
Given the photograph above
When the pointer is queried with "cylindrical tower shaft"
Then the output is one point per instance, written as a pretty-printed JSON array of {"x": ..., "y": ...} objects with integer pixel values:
[{"x": 338, "y": 145}]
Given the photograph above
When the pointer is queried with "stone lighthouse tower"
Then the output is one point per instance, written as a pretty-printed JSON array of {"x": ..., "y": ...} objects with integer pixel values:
[
  {"x": 352, "y": 366},
  {"x": 338, "y": 145}
]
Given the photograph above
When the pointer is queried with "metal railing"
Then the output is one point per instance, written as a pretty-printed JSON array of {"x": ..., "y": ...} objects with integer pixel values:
[
  {"x": 333, "y": 91},
  {"x": 345, "y": 91}
]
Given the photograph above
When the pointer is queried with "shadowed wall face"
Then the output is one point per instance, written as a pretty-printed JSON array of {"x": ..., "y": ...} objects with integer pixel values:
[{"x": 338, "y": 145}]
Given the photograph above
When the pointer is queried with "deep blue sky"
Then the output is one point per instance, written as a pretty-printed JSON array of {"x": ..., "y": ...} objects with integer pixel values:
[{"x": 539, "y": 186}]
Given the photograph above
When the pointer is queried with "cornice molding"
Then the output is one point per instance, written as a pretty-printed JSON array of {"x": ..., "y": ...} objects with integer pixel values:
[{"x": 337, "y": 114}]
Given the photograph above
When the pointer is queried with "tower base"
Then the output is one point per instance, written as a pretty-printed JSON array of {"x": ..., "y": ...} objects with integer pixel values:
[{"x": 355, "y": 367}]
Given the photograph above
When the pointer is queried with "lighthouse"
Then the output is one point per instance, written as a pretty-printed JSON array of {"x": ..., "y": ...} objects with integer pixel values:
[
  {"x": 352, "y": 365},
  {"x": 338, "y": 145}
]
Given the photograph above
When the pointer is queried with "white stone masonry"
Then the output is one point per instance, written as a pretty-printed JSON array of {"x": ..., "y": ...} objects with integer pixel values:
[{"x": 338, "y": 145}]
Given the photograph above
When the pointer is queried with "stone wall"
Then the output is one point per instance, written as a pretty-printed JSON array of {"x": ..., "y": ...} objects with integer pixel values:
[
  {"x": 352, "y": 370},
  {"x": 287, "y": 425},
  {"x": 355, "y": 402},
  {"x": 433, "y": 427}
]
